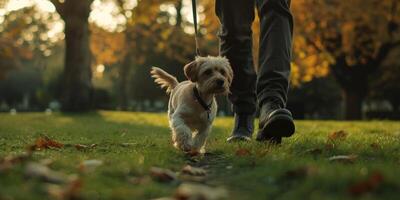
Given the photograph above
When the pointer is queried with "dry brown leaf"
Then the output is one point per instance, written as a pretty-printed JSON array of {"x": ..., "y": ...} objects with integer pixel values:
[
  {"x": 194, "y": 171},
  {"x": 162, "y": 175},
  {"x": 82, "y": 147},
  {"x": 192, "y": 191},
  {"x": 46, "y": 143},
  {"x": 368, "y": 185},
  {"x": 242, "y": 152},
  {"x": 42, "y": 172},
  {"x": 344, "y": 158},
  {"x": 337, "y": 135}
]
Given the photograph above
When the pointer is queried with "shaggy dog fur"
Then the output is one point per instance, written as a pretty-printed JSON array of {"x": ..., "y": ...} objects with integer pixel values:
[{"x": 189, "y": 121}]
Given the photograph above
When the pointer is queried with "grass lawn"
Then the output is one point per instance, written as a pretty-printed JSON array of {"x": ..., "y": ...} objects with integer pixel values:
[{"x": 129, "y": 144}]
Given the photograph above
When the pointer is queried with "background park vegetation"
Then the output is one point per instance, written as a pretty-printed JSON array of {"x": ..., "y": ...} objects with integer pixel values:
[{"x": 80, "y": 55}]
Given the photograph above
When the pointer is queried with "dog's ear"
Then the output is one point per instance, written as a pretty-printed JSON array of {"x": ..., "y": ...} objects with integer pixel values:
[{"x": 191, "y": 71}]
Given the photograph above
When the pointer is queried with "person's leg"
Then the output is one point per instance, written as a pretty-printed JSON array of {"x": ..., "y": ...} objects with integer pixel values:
[
  {"x": 235, "y": 35},
  {"x": 276, "y": 24}
]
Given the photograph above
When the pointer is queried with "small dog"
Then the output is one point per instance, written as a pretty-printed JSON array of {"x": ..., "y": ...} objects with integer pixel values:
[{"x": 192, "y": 107}]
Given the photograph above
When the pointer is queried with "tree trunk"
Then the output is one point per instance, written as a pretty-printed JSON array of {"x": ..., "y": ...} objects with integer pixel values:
[
  {"x": 178, "y": 8},
  {"x": 77, "y": 83},
  {"x": 353, "y": 104}
]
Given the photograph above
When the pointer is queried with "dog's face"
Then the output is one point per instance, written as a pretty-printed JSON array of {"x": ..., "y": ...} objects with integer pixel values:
[{"x": 213, "y": 75}]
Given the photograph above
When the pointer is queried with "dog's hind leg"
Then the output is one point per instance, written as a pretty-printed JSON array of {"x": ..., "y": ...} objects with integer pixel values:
[
  {"x": 199, "y": 140},
  {"x": 181, "y": 134}
]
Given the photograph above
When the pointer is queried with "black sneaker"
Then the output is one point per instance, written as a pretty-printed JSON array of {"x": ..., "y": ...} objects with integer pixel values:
[
  {"x": 243, "y": 128},
  {"x": 275, "y": 122}
]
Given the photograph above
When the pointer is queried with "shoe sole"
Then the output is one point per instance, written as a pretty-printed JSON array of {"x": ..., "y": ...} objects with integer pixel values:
[
  {"x": 280, "y": 125},
  {"x": 238, "y": 139}
]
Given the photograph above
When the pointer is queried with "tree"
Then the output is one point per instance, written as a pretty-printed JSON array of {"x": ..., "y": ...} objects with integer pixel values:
[
  {"x": 25, "y": 46},
  {"x": 350, "y": 38},
  {"x": 77, "y": 85},
  {"x": 153, "y": 36},
  {"x": 12, "y": 53},
  {"x": 386, "y": 85}
]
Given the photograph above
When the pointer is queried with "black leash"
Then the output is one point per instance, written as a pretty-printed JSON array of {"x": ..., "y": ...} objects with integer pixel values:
[
  {"x": 196, "y": 33},
  {"x": 207, "y": 107}
]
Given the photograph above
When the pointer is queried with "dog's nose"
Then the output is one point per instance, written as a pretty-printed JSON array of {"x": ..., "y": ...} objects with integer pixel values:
[{"x": 220, "y": 82}]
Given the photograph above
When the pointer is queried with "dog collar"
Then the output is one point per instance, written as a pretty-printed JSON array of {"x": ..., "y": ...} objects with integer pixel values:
[{"x": 203, "y": 104}]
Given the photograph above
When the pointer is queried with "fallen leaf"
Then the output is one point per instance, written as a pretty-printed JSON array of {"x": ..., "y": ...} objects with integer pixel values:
[
  {"x": 42, "y": 172},
  {"x": 45, "y": 142},
  {"x": 242, "y": 152},
  {"x": 162, "y": 175},
  {"x": 194, "y": 171},
  {"x": 84, "y": 147},
  {"x": 368, "y": 185},
  {"x": 337, "y": 135},
  {"x": 89, "y": 165},
  {"x": 343, "y": 158},
  {"x": 193, "y": 191},
  {"x": 81, "y": 146}
]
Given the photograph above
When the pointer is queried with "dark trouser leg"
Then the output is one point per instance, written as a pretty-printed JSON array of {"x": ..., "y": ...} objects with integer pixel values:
[
  {"x": 273, "y": 79},
  {"x": 275, "y": 50},
  {"x": 235, "y": 36}
]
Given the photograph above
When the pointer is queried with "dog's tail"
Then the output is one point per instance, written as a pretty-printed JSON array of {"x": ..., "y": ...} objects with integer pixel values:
[{"x": 164, "y": 79}]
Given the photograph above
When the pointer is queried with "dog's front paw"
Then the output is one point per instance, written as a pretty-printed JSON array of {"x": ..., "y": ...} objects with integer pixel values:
[
  {"x": 193, "y": 153},
  {"x": 183, "y": 147}
]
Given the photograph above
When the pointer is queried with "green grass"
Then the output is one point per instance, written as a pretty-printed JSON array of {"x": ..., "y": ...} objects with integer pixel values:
[{"x": 263, "y": 174}]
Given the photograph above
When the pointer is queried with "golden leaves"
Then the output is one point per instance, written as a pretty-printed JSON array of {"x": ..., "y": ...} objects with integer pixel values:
[
  {"x": 107, "y": 47},
  {"x": 327, "y": 29}
]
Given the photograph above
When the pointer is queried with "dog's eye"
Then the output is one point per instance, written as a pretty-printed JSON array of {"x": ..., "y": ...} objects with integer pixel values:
[
  {"x": 222, "y": 72},
  {"x": 208, "y": 72}
]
